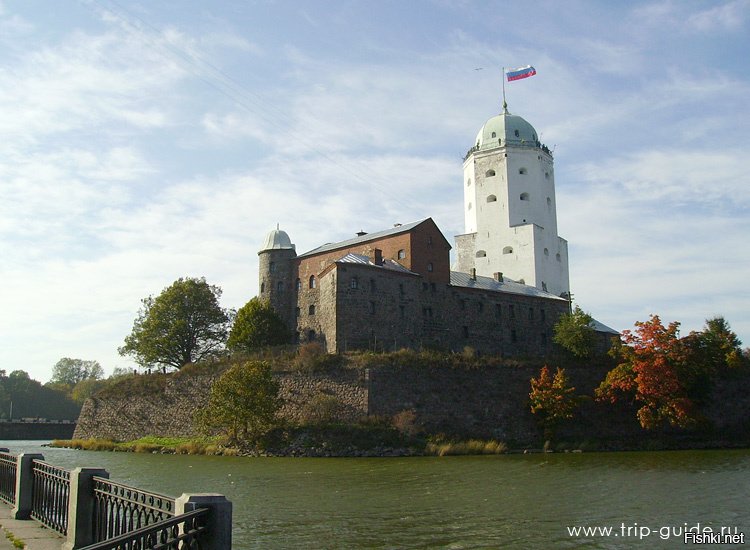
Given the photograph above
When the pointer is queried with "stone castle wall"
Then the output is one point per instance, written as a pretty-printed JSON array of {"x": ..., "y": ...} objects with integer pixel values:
[{"x": 482, "y": 402}]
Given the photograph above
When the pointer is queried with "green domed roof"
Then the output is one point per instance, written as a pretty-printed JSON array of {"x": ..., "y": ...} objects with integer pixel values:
[{"x": 506, "y": 129}]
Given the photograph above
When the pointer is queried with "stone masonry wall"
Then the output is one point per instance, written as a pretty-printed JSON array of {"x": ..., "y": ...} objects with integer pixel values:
[{"x": 482, "y": 402}]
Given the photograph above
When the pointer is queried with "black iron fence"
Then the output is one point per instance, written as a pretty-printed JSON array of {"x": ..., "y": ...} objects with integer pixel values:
[
  {"x": 120, "y": 509},
  {"x": 94, "y": 513},
  {"x": 181, "y": 532},
  {"x": 8, "y": 467},
  {"x": 50, "y": 495}
]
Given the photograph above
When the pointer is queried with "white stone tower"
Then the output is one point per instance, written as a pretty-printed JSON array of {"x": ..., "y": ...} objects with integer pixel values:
[{"x": 509, "y": 208}]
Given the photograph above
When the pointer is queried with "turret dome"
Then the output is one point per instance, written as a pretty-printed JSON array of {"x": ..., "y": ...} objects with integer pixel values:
[
  {"x": 506, "y": 129},
  {"x": 277, "y": 240}
]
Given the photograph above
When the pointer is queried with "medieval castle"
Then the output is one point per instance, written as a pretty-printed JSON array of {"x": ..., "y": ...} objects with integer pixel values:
[{"x": 395, "y": 288}]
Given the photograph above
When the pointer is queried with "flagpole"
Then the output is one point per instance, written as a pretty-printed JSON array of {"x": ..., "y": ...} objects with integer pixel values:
[{"x": 505, "y": 105}]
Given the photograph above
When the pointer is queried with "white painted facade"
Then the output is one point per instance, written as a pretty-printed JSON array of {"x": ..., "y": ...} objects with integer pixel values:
[{"x": 510, "y": 218}]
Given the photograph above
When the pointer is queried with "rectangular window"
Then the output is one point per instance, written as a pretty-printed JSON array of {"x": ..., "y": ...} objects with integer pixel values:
[
  {"x": 372, "y": 308},
  {"x": 531, "y": 314}
]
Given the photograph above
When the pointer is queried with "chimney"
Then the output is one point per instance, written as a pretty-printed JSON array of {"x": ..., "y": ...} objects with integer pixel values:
[
  {"x": 498, "y": 276},
  {"x": 361, "y": 233},
  {"x": 473, "y": 274},
  {"x": 378, "y": 257}
]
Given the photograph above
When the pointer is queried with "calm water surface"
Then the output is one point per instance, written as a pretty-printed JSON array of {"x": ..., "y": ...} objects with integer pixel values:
[{"x": 513, "y": 501}]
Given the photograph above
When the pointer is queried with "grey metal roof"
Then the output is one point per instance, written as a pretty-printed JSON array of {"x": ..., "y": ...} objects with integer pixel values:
[
  {"x": 598, "y": 326},
  {"x": 488, "y": 283},
  {"x": 364, "y": 260},
  {"x": 364, "y": 238}
]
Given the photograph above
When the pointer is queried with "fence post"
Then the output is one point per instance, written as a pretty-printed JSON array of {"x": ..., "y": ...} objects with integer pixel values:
[
  {"x": 24, "y": 484},
  {"x": 81, "y": 507},
  {"x": 219, "y": 520}
]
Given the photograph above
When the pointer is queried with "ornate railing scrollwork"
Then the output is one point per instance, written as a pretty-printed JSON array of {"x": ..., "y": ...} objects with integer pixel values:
[
  {"x": 50, "y": 494},
  {"x": 8, "y": 467},
  {"x": 119, "y": 509}
]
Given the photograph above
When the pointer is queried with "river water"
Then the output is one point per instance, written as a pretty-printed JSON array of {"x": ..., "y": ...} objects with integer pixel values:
[{"x": 507, "y": 501}]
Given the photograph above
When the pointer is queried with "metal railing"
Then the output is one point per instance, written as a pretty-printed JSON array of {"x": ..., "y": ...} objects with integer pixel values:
[
  {"x": 8, "y": 467},
  {"x": 178, "y": 533},
  {"x": 119, "y": 509},
  {"x": 50, "y": 495}
]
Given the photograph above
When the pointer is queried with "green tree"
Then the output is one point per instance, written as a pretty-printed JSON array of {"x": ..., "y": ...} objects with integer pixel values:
[
  {"x": 575, "y": 333},
  {"x": 71, "y": 371},
  {"x": 182, "y": 325},
  {"x": 256, "y": 326},
  {"x": 86, "y": 388},
  {"x": 553, "y": 399},
  {"x": 243, "y": 403}
]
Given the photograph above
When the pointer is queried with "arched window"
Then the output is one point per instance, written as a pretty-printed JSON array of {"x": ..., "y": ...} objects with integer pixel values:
[
  {"x": 508, "y": 250},
  {"x": 557, "y": 257},
  {"x": 546, "y": 252},
  {"x": 430, "y": 266},
  {"x": 354, "y": 283},
  {"x": 311, "y": 309},
  {"x": 494, "y": 134},
  {"x": 516, "y": 133},
  {"x": 546, "y": 175},
  {"x": 312, "y": 281},
  {"x": 481, "y": 254},
  {"x": 522, "y": 170},
  {"x": 262, "y": 287},
  {"x": 280, "y": 287},
  {"x": 272, "y": 267},
  {"x": 311, "y": 335},
  {"x": 524, "y": 196},
  {"x": 491, "y": 198},
  {"x": 489, "y": 173},
  {"x": 401, "y": 254}
]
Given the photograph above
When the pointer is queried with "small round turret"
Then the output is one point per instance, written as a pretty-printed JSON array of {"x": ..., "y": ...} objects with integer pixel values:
[{"x": 276, "y": 274}]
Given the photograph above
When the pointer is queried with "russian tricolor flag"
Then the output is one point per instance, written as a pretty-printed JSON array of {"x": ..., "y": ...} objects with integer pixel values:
[{"x": 523, "y": 72}]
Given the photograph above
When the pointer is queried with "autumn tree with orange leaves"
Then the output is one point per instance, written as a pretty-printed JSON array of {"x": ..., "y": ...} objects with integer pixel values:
[
  {"x": 552, "y": 398},
  {"x": 655, "y": 372}
]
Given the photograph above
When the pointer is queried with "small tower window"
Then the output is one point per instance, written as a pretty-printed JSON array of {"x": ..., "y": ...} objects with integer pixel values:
[
  {"x": 298, "y": 284},
  {"x": 522, "y": 170},
  {"x": 557, "y": 257},
  {"x": 516, "y": 133},
  {"x": 311, "y": 309},
  {"x": 489, "y": 173},
  {"x": 280, "y": 287},
  {"x": 468, "y": 207},
  {"x": 524, "y": 197},
  {"x": 372, "y": 308},
  {"x": 272, "y": 267},
  {"x": 354, "y": 283},
  {"x": 311, "y": 335},
  {"x": 491, "y": 198},
  {"x": 312, "y": 283},
  {"x": 401, "y": 254},
  {"x": 508, "y": 250},
  {"x": 372, "y": 285},
  {"x": 549, "y": 202},
  {"x": 297, "y": 312},
  {"x": 262, "y": 287},
  {"x": 481, "y": 254},
  {"x": 430, "y": 267},
  {"x": 494, "y": 134},
  {"x": 468, "y": 182},
  {"x": 546, "y": 252},
  {"x": 546, "y": 175}
]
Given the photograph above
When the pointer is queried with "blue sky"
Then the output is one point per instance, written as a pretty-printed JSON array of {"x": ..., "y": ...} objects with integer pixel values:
[{"x": 145, "y": 141}]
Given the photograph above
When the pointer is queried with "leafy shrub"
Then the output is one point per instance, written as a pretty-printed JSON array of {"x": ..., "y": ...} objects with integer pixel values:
[
  {"x": 311, "y": 357},
  {"x": 406, "y": 423},
  {"x": 321, "y": 409}
]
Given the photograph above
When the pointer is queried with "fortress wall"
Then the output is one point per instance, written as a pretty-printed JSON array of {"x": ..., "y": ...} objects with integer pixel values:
[{"x": 482, "y": 402}]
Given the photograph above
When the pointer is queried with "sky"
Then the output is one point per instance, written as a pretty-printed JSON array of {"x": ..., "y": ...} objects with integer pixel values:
[{"x": 147, "y": 141}]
